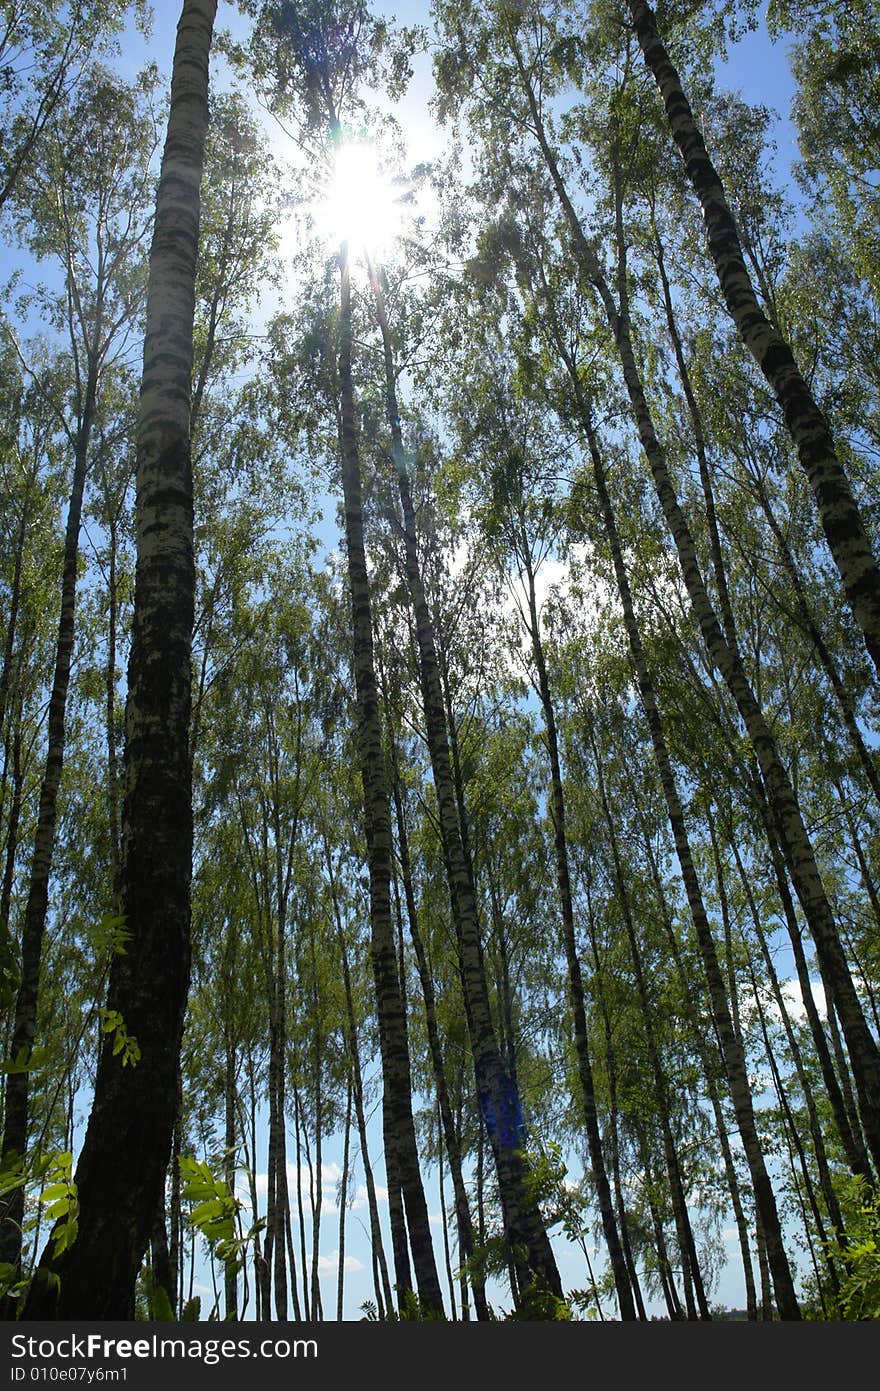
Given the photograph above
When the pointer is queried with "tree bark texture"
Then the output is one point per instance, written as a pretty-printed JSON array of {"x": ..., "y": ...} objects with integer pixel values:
[
  {"x": 838, "y": 511},
  {"x": 576, "y": 996},
  {"x": 498, "y": 1096},
  {"x": 400, "y": 1139},
  {"x": 17, "y": 1104},
  {"x": 128, "y": 1141}
]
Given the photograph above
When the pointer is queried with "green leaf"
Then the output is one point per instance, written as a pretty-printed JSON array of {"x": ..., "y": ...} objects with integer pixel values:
[
  {"x": 162, "y": 1310},
  {"x": 55, "y": 1191},
  {"x": 66, "y": 1236},
  {"x": 191, "y": 1310},
  {"x": 24, "y": 1062}
]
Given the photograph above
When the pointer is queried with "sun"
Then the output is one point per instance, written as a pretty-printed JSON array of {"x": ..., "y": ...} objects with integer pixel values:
[{"x": 361, "y": 206}]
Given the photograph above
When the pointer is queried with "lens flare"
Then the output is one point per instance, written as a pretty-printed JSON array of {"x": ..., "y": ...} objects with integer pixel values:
[{"x": 361, "y": 206}]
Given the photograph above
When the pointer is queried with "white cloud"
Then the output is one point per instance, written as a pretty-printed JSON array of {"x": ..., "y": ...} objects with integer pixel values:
[
  {"x": 553, "y": 579},
  {"x": 330, "y": 1177},
  {"x": 326, "y": 1264},
  {"x": 361, "y": 1199},
  {"x": 792, "y": 996},
  {"x": 794, "y": 999}
]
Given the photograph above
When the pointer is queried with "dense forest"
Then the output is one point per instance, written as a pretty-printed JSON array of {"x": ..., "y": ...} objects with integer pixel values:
[{"x": 439, "y": 645}]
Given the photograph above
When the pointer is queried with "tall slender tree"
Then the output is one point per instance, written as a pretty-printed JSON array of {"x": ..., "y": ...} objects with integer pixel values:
[
  {"x": 121, "y": 1169},
  {"x": 842, "y": 523}
]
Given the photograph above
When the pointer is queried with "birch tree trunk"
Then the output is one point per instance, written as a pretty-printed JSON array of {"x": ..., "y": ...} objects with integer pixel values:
[
  {"x": 690, "y": 1265},
  {"x": 734, "y": 1061},
  {"x": 612, "y": 1129},
  {"x": 709, "y": 1072},
  {"x": 498, "y": 1097},
  {"x": 783, "y": 802},
  {"x": 784, "y": 807},
  {"x": 352, "y": 1046},
  {"x": 470, "y": 1266},
  {"x": 343, "y": 1202},
  {"x": 128, "y": 1141},
  {"x": 838, "y": 511},
  {"x": 17, "y": 1102},
  {"x": 230, "y": 1278},
  {"x": 400, "y": 1139},
  {"x": 616, "y": 1255}
]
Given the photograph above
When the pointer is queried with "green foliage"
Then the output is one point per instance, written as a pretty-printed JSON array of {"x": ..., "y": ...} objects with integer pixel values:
[
  {"x": 12, "y": 1283},
  {"x": 152, "y": 1304},
  {"x": 215, "y": 1212},
  {"x": 60, "y": 1201},
  {"x": 215, "y": 1207},
  {"x": 538, "y": 1303},
  {"x": 125, "y": 1045},
  {"x": 162, "y": 1310},
  {"x": 547, "y": 1180},
  {"x": 583, "y": 1302},
  {"x": 859, "y": 1295},
  {"x": 191, "y": 1310},
  {"x": 26, "y": 1061},
  {"x": 109, "y": 935},
  {"x": 42, "y": 63},
  {"x": 9, "y": 973},
  {"x": 412, "y": 1310}
]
